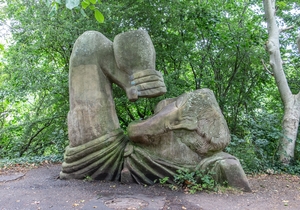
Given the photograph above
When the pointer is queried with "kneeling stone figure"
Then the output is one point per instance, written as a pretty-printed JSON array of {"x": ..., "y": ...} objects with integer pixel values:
[{"x": 187, "y": 132}]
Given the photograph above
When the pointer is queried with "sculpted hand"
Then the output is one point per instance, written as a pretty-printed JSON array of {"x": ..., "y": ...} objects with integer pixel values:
[
  {"x": 148, "y": 83},
  {"x": 135, "y": 56}
]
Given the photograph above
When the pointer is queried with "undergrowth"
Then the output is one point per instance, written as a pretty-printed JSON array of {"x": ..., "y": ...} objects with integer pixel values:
[
  {"x": 257, "y": 144},
  {"x": 191, "y": 181},
  {"x": 37, "y": 160},
  {"x": 195, "y": 181}
]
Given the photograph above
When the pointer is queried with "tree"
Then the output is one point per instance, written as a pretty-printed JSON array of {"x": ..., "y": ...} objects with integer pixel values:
[
  {"x": 203, "y": 44},
  {"x": 78, "y": 5},
  {"x": 34, "y": 93},
  {"x": 211, "y": 46},
  {"x": 199, "y": 44},
  {"x": 290, "y": 101}
]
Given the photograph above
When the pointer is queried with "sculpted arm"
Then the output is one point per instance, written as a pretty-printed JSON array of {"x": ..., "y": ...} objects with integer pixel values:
[{"x": 131, "y": 65}]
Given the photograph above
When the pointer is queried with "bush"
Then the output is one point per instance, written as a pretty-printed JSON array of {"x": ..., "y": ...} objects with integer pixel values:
[
  {"x": 256, "y": 145},
  {"x": 195, "y": 181}
]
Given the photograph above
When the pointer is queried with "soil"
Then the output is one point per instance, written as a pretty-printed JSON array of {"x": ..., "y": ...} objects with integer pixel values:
[{"x": 40, "y": 188}]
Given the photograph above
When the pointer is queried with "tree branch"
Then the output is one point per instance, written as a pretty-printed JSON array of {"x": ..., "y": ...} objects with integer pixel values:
[
  {"x": 272, "y": 47},
  {"x": 286, "y": 28},
  {"x": 197, "y": 83},
  {"x": 47, "y": 124},
  {"x": 266, "y": 68}
]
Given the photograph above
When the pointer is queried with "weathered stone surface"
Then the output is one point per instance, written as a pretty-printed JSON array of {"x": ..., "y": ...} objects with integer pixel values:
[
  {"x": 95, "y": 150},
  {"x": 187, "y": 132},
  {"x": 225, "y": 168},
  {"x": 100, "y": 158},
  {"x": 135, "y": 55},
  {"x": 134, "y": 51},
  {"x": 196, "y": 118},
  {"x": 92, "y": 109}
]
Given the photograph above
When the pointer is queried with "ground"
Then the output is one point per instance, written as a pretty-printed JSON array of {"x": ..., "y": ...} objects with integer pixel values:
[{"x": 40, "y": 188}]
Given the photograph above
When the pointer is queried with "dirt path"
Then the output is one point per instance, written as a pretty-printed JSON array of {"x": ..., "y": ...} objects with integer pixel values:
[{"x": 40, "y": 188}]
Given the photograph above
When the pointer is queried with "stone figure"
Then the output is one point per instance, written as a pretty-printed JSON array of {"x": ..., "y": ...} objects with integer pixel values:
[
  {"x": 96, "y": 140},
  {"x": 187, "y": 132}
]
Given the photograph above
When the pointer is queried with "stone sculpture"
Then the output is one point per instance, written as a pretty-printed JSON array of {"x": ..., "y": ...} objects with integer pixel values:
[{"x": 187, "y": 132}]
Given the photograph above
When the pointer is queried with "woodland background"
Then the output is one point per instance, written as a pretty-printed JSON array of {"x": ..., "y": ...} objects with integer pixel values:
[{"x": 199, "y": 44}]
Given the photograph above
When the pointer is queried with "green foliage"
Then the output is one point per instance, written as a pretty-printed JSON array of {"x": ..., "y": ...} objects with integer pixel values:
[
  {"x": 162, "y": 180},
  {"x": 257, "y": 146},
  {"x": 293, "y": 168},
  {"x": 34, "y": 95},
  {"x": 199, "y": 44},
  {"x": 31, "y": 160},
  {"x": 75, "y": 5},
  {"x": 91, "y": 5},
  {"x": 99, "y": 16},
  {"x": 202, "y": 47},
  {"x": 195, "y": 181},
  {"x": 88, "y": 179}
]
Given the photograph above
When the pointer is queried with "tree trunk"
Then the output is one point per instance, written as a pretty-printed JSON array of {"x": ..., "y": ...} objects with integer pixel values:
[
  {"x": 291, "y": 102},
  {"x": 290, "y": 128}
]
